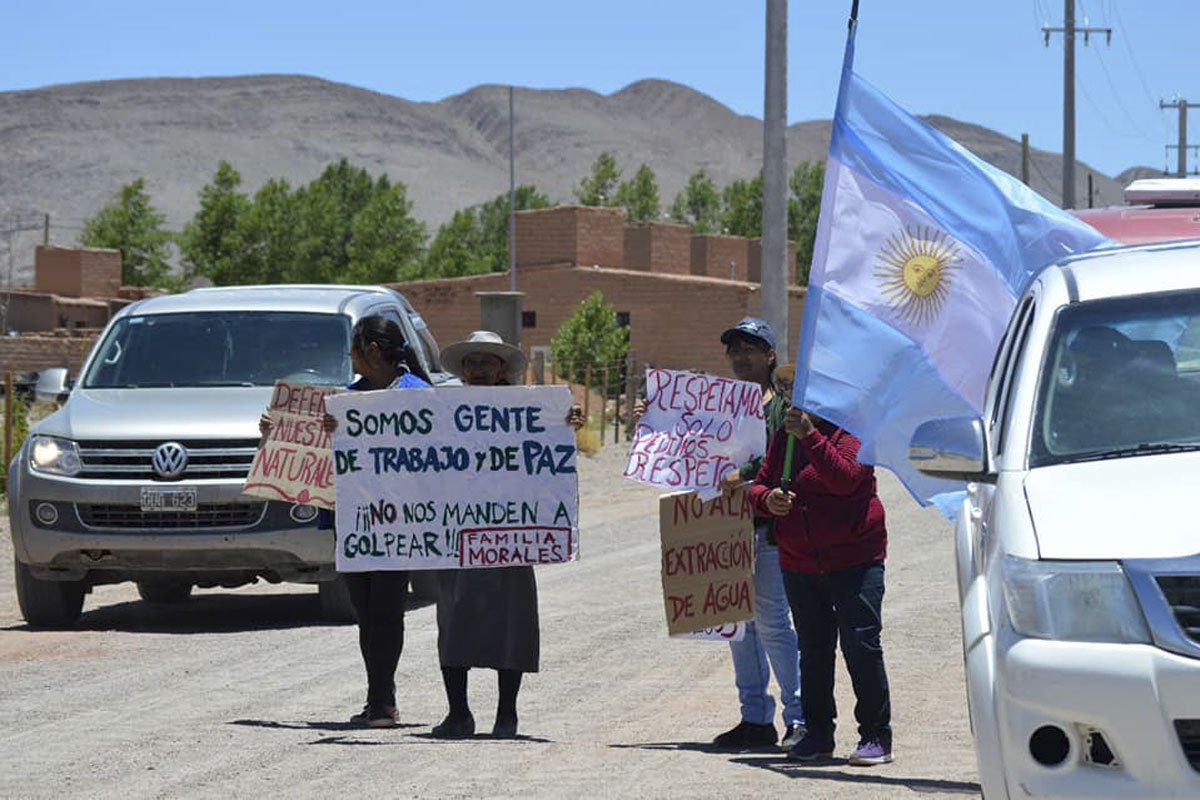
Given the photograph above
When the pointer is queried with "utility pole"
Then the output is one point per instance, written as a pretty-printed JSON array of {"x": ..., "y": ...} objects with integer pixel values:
[
  {"x": 1182, "y": 148},
  {"x": 774, "y": 276},
  {"x": 512, "y": 199},
  {"x": 1025, "y": 158},
  {"x": 1068, "y": 31}
]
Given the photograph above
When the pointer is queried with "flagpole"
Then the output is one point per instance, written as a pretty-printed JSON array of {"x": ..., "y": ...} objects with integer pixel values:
[{"x": 802, "y": 367}]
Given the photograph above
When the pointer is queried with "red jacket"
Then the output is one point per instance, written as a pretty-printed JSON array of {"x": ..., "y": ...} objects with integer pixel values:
[{"x": 836, "y": 521}]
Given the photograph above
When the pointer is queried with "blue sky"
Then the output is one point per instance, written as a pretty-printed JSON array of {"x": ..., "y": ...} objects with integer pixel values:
[{"x": 979, "y": 62}]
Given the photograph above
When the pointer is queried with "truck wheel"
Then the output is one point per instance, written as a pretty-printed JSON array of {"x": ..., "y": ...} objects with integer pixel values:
[
  {"x": 48, "y": 604},
  {"x": 164, "y": 591},
  {"x": 335, "y": 601}
]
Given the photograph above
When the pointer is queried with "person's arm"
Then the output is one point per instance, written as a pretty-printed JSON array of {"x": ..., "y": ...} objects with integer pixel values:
[
  {"x": 834, "y": 468},
  {"x": 762, "y": 481}
]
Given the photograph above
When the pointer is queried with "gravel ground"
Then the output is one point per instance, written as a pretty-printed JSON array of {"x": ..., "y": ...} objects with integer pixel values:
[{"x": 245, "y": 694}]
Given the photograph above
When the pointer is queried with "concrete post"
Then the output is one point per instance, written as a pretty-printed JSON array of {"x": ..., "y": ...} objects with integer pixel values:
[{"x": 500, "y": 312}]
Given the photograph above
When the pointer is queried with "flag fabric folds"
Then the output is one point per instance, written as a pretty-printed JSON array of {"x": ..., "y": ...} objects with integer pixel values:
[{"x": 921, "y": 252}]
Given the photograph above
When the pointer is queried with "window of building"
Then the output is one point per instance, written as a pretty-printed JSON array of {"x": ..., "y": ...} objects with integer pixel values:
[
  {"x": 528, "y": 319},
  {"x": 623, "y": 319}
]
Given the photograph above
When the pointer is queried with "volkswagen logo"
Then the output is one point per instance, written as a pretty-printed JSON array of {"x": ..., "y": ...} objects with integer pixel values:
[{"x": 169, "y": 460}]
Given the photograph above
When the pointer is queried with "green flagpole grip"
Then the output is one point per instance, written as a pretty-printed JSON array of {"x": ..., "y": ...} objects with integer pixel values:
[{"x": 787, "y": 463}]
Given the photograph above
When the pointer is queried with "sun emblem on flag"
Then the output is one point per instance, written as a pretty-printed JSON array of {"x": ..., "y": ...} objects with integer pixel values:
[{"x": 915, "y": 269}]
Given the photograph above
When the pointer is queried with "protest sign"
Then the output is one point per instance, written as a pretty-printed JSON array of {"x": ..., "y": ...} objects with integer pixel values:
[
  {"x": 729, "y": 632},
  {"x": 456, "y": 477},
  {"x": 695, "y": 429},
  {"x": 707, "y": 560},
  {"x": 295, "y": 463}
]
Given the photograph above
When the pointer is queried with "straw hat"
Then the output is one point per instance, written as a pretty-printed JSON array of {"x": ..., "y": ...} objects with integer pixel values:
[{"x": 485, "y": 342}]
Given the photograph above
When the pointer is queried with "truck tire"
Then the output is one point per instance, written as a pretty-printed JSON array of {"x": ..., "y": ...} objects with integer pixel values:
[
  {"x": 164, "y": 591},
  {"x": 335, "y": 602},
  {"x": 48, "y": 604}
]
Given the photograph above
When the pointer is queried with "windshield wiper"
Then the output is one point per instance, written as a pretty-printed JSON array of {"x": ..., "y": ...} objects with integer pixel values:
[{"x": 1143, "y": 449}]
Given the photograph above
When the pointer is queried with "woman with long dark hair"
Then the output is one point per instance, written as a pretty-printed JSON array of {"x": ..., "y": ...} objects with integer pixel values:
[{"x": 383, "y": 359}]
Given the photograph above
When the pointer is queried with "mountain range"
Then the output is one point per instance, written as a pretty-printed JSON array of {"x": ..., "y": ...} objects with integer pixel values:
[{"x": 65, "y": 150}]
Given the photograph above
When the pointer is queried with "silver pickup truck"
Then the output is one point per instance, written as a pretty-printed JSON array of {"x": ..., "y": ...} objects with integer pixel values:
[{"x": 138, "y": 476}]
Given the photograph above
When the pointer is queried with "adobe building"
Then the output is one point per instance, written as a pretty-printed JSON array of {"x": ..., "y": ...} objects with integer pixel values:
[
  {"x": 671, "y": 288},
  {"x": 53, "y": 324}
]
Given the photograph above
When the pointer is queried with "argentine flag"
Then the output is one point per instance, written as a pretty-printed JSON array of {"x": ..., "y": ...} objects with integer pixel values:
[{"x": 921, "y": 252}]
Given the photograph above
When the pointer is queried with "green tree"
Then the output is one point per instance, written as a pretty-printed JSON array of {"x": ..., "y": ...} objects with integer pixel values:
[
  {"x": 639, "y": 197},
  {"x": 741, "y": 208},
  {"x": 457, "y": 249},
  {"x": 591, "y": 335},
  {"x": 476, "y": 242},
  {"x": 268, "y": 234},
  {"x": 386, "y": 243},
  {"x": 131, "y": 224},
  {"x": 698, "y": 205},
  {"x": 210, "y": 244},
  {"x": 804, "y": 207},
  {"x": 600, "y": 188}
]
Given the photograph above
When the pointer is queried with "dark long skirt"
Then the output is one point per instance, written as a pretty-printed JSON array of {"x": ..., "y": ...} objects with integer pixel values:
[{"x": 488, "y": 618}]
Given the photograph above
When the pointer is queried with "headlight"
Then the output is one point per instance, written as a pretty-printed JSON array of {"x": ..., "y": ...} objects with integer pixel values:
[
  {"x": 1075, "y": 601},
  {"x": 53, "y": 455}
]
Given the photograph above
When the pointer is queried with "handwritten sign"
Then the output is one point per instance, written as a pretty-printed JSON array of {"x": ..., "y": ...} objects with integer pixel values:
[
  {"x": 295, "y": 463},
  {"x": 729, "y": 632},
  {"x": 707, "y": 560},
  {"x": 457, "y": 477},
  {"x": 695, "y": 429}
]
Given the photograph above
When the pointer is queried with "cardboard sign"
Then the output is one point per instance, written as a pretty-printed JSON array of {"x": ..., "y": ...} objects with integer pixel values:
[
  {"x": 695, "y": 429},
  {"x": 707, "y": 560},
  {"x": 295, "y": 463},
  {"x": 729, "y": 632},
  {"x": 456, "y": 477}
]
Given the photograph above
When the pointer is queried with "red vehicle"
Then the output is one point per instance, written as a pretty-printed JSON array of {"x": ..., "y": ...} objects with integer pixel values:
[{"x": 1159, "y": 210}]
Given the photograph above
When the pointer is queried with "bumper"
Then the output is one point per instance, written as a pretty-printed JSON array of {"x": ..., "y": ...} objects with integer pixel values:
[
  {"x": 1116, "y": 707},
  {"x": 265, "y": 541}
]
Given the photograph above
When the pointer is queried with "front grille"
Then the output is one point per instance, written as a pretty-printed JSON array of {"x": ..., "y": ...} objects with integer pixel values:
[
  {"x": 210, "y": 515},
  {"x": 1182, "y": 593},
  {"x": 1189, "y": 739},
  {"x": 212, "y": 458}
]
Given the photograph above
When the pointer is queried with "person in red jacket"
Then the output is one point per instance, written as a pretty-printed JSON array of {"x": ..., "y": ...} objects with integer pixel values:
[{"x": 832, "y": 543}]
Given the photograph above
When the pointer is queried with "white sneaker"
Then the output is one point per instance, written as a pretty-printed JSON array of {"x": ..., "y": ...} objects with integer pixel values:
[{"x": 792, "y": 737}]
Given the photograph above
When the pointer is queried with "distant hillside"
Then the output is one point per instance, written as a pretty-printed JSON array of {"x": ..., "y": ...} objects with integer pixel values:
[{"x": 66, "y": 149}]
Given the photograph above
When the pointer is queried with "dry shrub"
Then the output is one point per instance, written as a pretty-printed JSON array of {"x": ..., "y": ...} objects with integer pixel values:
[{"x": 587, "y": 441}]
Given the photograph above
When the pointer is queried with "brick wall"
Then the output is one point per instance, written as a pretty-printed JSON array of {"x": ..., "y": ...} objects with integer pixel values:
[
  {"x": 570, "y": 234},
  {"x": 754, "y": 274},
  {"x": 675, "y": 320},
  {"x": 658, "y": 247},
  {"x": 712, "y": 253},
  {"x": 38, "y": 351},
  {"x": 77, "y": 271}
]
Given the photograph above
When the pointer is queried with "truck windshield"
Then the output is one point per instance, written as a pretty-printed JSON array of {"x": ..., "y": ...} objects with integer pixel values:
[
  {"x": 222, "y": 348},
  {"x": 1122, "y": 378}
]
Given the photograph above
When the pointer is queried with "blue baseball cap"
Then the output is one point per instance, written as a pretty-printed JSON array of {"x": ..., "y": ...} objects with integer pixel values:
[{"x": 753, "y": 327}]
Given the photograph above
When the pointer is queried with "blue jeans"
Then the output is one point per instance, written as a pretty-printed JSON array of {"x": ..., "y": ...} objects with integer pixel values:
[
  {"x": 770, "y": 638},
  {"x": 846, "y": 605}
]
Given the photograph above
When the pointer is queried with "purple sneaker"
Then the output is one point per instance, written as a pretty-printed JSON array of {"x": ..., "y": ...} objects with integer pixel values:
[
  {"x": 871, "y": 752},
  {"x": 813, "y": 747}
]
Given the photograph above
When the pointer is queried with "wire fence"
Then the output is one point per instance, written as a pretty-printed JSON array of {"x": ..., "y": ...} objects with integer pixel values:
[{"x": 607, "y": 390}]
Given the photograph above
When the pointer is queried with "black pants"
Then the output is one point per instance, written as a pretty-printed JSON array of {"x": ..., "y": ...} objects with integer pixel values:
[
  {"x": 846, "y": 603},
  {"x": 378, "y": 599}
]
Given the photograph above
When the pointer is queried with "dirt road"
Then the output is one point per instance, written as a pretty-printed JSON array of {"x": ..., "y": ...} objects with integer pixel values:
[{"x": 243, "y": 694}]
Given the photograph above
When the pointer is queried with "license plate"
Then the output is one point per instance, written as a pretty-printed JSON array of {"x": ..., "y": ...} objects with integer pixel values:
[{"x": 168, "y": 499}]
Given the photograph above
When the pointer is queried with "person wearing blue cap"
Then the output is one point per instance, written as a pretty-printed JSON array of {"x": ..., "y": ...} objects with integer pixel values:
[{"x": 770, "y": 641}]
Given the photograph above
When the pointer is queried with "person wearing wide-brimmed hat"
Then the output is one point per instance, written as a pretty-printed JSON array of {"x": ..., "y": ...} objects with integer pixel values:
[{"x": 487, "y": 617}]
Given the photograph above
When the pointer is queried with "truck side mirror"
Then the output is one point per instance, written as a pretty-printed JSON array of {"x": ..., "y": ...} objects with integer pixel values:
[{"x": 950, "y": 447}]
